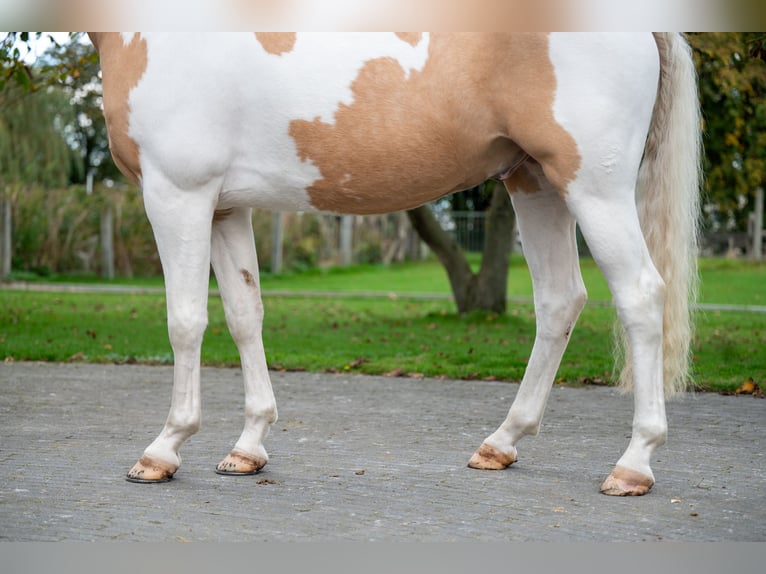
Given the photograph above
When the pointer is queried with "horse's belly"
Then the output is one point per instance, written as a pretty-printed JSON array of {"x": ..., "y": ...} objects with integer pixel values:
[
  {"x": 371, "y": 175},
  {"x": 357, "y": 124}
]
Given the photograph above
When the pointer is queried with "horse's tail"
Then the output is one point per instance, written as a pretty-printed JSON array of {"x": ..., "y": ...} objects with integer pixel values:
[{"x": 668, "y": 195}]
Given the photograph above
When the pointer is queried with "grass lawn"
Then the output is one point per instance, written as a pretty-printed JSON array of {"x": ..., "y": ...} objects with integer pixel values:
[{"x": 385, "y": 335}]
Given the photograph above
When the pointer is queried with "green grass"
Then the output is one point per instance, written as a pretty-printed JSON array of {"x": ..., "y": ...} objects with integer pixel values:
[
  {"x": 387, "y": 335},
  {"x": 723, "y": 281}
]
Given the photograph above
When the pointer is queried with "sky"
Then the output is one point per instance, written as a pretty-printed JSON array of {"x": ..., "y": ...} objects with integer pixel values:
[{"x": 37, "y": 47}]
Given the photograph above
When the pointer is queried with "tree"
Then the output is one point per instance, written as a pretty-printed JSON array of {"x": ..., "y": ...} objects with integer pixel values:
[
  {"x": 75, "y": 70},
  {"x": 34, "y": 151},
  {"x": 732, "y": 83},
  {"x": 485, "y": 290}
]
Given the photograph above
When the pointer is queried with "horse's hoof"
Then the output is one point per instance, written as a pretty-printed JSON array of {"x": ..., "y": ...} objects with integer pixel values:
[
  {"x": 626, "y": 482},
  {"x": 490, "y": 458},
  {"x": 149, "y": 470},
  {"x": 238, "y": 463}
]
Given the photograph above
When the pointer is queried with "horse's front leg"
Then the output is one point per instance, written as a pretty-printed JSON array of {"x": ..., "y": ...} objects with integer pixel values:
[
  {"x": 236, "y": 269},
  {"x": 181, "y": 221}
]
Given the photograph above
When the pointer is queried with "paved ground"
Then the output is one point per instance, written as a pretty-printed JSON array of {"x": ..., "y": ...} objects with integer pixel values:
[{"x": 364, "y": 458}]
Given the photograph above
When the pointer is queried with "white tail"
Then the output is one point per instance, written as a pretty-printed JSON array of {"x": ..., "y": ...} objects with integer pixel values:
[{"x": 668, "y": 195}]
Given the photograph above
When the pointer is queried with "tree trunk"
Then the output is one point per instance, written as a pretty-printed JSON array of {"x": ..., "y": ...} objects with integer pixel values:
[
  {"x": 485, "y": 290},
  {"x": 492, "y": 288}
]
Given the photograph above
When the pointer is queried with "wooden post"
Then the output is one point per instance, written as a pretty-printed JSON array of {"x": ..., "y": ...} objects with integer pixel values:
[
  {"x": 277, "y": 238},
  {"x": 346, "y": 233},
  {"x": 107, "y": 243},
  {"x": 6, "y": 238},
  {"x": 758, "y": 225}
]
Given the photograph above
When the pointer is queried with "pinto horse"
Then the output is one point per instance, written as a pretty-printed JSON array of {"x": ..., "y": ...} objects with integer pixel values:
[{"x": 602, "y": 130}]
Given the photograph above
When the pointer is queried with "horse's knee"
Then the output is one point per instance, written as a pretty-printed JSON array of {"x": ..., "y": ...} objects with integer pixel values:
[
  {"x": 186, "y": 330},
  {"x": 246, "y": 323}
]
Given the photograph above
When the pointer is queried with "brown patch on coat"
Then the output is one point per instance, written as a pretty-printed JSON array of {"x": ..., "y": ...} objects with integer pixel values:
[
  {"x": 412, "y": 38},
  {"x": 480, "y": 103},
  {"x": 249, "y": 279},
  {"x": 122, "y": 67},
  {"x": 276, "y": 43}
]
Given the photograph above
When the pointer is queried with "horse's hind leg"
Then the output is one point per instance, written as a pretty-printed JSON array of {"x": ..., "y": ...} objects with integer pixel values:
[
  {"x": 548, "y": 239},
  {"x": 609, "y": 223},
  {"x": 236, "y": 269}
]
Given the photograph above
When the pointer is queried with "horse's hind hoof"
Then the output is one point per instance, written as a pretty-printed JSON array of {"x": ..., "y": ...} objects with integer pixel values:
[
  {"x": 238, "y": 463},
  {"x": 149, "y": 470}
]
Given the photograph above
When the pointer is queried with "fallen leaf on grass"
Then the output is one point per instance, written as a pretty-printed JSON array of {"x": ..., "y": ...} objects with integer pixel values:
[
  {"x": 358, "y": 362},
  {"x": 749, "y": 387}
]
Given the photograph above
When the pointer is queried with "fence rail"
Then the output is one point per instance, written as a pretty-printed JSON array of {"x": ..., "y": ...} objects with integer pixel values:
[{"x": 106, "y": 232}]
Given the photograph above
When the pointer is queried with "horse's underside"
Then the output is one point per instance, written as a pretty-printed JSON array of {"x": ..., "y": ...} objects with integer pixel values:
[{"x": 211, "y": 126}]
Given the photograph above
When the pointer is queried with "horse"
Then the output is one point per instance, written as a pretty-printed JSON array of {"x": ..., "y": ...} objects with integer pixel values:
[{"x": 596, "y": 130}]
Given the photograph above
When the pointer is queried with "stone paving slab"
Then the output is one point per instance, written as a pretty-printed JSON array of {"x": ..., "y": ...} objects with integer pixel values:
[{"x": 364, "y": 458}]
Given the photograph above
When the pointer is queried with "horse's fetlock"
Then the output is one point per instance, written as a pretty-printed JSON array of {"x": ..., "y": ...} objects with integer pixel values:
[
  {"x": 189, "y": 424},
  {"x": 266, "y": 413},
  {"x": 525, "y": 425},
  {"x": 653, "y": 433}
]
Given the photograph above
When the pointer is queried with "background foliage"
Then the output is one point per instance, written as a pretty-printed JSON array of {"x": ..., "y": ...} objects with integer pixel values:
[{"x": 732, "y": 80}]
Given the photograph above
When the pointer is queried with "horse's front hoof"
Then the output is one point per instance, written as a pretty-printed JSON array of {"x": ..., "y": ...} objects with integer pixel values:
[
  {"x": 238, "y": 463},
  {"x": 490, "y": 458},
  {"x": 149, "y": 470},
  {"x": 626, "y": 482}
]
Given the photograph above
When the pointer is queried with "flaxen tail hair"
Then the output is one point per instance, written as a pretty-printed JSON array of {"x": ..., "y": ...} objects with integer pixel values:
[{"x": 668, "y": 195}]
